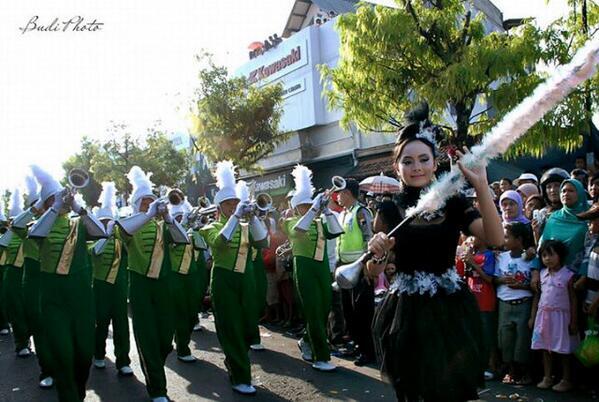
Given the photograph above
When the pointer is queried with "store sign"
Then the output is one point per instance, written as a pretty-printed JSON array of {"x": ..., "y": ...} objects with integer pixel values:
[
  {"x": 293, "y": 88},
  {"x": 273, "y": 185},
  {"x": 293, "y": 58}
]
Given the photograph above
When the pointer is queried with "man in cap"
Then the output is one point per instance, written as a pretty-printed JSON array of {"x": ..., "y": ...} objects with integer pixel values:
[
  {"x": 233, "y": 288},
  {"x": 66, "y": 297},
  {"x": 31, "y": 277},
  {"x": 308, "y": 234},
  {"x": 147, "y": 240},
  {"x": 109, "y": 265},
  {"x": 12, "y": 283},
  {"x": 526, "y": 178},
  {"x": 358, "y": 303}
]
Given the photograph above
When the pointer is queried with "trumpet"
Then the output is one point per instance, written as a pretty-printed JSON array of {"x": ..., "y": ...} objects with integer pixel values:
[
  {"x": 200, "y": 215},
  {"x": 262, "y": 205},
  {"x": 175, "y": 196},
  {"x": 78, "y": 178}
]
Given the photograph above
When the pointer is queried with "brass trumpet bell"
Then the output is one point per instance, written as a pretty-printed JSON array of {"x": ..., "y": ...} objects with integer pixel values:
[
  {"x": 347, "y": 276},
  {"x": 78, "y": 178},
  {"x": 175, "y": 196}
]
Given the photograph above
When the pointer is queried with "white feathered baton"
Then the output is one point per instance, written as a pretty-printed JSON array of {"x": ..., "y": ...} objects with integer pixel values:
[{"x": 514, "y": 125}]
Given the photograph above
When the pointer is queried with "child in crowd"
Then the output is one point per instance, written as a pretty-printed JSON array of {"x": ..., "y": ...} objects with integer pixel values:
[
  {"x": 478, "y": 268},
  {"x": 385, "y": 279},
  {"x": 512, "y": 277},
  {"x": 554, "y": 315}
]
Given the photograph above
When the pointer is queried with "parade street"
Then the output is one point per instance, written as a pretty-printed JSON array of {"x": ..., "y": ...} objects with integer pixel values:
[{"x": 280, "y": 375}]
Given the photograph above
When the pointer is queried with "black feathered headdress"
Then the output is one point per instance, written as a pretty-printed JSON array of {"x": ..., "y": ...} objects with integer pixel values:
[{"x": 417, "y": 126}]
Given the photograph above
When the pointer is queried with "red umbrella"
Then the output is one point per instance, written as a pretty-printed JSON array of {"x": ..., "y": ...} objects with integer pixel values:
[
  {"x": 255, "y": 45},
  {"x": 380, "y": 184}
]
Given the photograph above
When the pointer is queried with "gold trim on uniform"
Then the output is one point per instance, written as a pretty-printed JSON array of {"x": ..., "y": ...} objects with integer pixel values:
[
  {"x": 157, "y": 253},
  {"x": 186, "y": 259},
  {"x": 116, "y": 261},
  {"x": 320, "y": 242},
  {"x": 244, "y": 245},
  {"x": 20, "y": 257},
  {"x": 68, "y": 251}
]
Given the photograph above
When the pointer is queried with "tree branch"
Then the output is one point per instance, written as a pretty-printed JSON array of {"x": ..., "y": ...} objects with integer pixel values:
[{"x": 423, "y": 33}]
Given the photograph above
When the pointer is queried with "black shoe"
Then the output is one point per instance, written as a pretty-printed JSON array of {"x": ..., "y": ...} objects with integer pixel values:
[{"x": 363, "y": 360}]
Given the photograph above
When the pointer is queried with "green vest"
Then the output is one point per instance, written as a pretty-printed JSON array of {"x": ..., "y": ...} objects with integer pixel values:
[
  {"x": 310, "y": 244},
  {"x": 233, "y": 255},
  {"x": 14, "y": 252},
  {"x": 64, "y": 251},
  {"x": 350, "y": 245},
  {"x": 30, "y": 246},
  {"x": 106, "y": 265},
  {"x": 183, "y": 258},
  {"x": 147, "y": 250}
]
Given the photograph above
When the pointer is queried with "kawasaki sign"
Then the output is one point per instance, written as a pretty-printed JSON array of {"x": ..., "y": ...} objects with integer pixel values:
[{"x": 293, "y": 58}]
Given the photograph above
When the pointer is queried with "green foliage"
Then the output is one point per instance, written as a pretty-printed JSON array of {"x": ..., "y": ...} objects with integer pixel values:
[
  {"x": 234, "y": 119},
  {"x": 111, "y": 160},
  {"x": 438, "y": 51}
]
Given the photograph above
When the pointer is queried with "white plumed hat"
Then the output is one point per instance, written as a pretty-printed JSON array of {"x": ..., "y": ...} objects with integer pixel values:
[
  {"x": 107, "y": 201},
  {"x": 303, "y": 186},
  {"x": 32, "y": 190},
  {"x": 242, "y": 190},
  {"x": 15, "y": 206},
  {"x": 49, "y": 185},
  {"x": 142, "y": 186},
  {"x": 225, "y": 181}
]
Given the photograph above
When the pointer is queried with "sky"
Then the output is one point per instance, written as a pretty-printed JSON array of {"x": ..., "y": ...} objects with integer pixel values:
[{"x": 137, "y": 68}]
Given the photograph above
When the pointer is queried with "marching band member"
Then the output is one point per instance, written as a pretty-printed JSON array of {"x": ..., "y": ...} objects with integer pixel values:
[
  {"x": 109, "y": 264},
  {"x": 308, "y": 234},
  {"x": 66, "y": 298},
  {"x": 184, "y": 282},
  {"x": 233, "y": 286},
  {"x": 13, "y": 276},
  {"x": 147, "y": 240},
  {"x": 31, "y": 278},
  {"x": 4, "y": 328}
]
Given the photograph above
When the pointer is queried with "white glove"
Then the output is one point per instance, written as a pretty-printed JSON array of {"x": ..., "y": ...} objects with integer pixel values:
[
  {"x": 243, "y": 208},
  {"x": 75, "y": 206},
  {"x": 110, "y": 227},
  {"x": 59, "y": 200},
  {"x": 320, "y": 202},
  {"x": 153, "y": 209}
]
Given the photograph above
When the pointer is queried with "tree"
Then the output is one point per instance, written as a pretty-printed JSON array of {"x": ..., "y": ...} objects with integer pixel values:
[
  {"x": 111, "y": 159},
  {"x": 234, "y": 119},
  {"x": 438, "y": 51}
]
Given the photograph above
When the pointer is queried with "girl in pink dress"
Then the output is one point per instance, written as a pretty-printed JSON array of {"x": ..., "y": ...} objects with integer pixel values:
[{"x": 554, "y": 314}]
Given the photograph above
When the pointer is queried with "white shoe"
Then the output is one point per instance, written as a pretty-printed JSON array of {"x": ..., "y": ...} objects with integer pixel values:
[
  {"x": 187, "y": 359},
  {"x": 99, "y": 363},
  {"x": 25, "y": 352},
  {"x": 160, "y": 399},
  {"x": 257, "y": 347},
  {"x": 47, "y": 382},
  {"x": 305, "y": 350},
  {"x": 324, "y": 366},
  {"x": 125, "y": 371},
  {"x": 244, "y": 389},
  {"x": 4, "y": 331}
]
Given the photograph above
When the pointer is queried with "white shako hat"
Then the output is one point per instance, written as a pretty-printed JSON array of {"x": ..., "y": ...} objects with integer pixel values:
[
  {"x": 225, "y": 181},
  {"x": 107, "y": 201},
  {"x": 49, "y": 185},
  {"x": 32, "y": 188},
  {"x": 142, "y": 186},
  {"x": 183, "y": 208},
  {"x": 2, "y": 216},
  {"x": 15, "y": 205},
  {"x": 303, "y": 186}
]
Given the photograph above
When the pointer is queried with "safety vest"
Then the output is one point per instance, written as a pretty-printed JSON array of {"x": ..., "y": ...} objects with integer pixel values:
[{"x": 350, "y": 245}]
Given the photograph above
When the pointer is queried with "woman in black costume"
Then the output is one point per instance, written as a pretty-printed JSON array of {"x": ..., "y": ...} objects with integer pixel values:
[{"x": 428, "y": 328}]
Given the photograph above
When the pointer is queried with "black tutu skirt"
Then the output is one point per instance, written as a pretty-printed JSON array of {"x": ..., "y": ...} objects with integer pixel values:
[{"x": 431, "y": 346}]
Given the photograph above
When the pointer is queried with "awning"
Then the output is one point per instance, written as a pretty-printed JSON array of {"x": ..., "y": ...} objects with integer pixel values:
[{"x": 373, "y": 166}]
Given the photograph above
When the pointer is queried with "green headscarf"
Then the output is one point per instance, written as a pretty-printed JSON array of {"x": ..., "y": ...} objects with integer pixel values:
[{"x": 564, "y": 225}]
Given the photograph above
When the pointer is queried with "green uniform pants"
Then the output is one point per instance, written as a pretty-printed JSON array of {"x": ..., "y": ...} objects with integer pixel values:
[
  {"x": 31, "y": 295},
  {"x": 235, "y": 315},
  {"x": 261, "y": 284},
  {"x": 15, "y": 311},
  {"x": 185, "y": 308},
  {"x": 67, "y": 320},
  {"x": 111, "y": 305},
  {"x": 312, "y": 281},
  {"x": 3, "y": 320},
  {"x": 153, "y": 327}
]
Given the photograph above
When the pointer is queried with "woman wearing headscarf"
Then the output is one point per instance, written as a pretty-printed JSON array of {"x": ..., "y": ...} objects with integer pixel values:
[
  {"x": 527, "y": 190},
  {"x": 512, "y": 208},
  {"x": 565, "y": 226}
]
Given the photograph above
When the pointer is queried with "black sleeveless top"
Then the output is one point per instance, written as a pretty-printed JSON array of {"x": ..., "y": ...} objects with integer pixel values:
[{"x": 428, "y": 244}]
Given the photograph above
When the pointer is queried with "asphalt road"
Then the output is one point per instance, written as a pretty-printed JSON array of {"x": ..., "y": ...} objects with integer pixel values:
[{"x": 279, "y": 373}]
